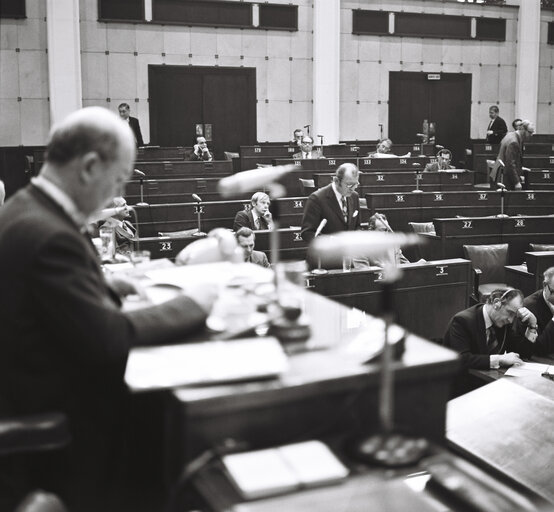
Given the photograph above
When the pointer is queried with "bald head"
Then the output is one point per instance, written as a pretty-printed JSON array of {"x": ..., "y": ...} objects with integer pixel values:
[
  {"x": 90, "y": 156},
  {"x": 346, "y": 179}
]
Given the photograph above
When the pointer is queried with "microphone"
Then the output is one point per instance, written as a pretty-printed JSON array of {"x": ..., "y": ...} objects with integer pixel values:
[
  {"x": 107, "y": 213},
  {"x": 320, "y": 227},
  {"x": 438, "y": 146},
  {"x": 416, "y": 164},
  {"x": 254, "y": 180},
  {"x": 136, "y": 172},
  {"x": 196, "y": 198},
  {"x": 501, "y": 186}
]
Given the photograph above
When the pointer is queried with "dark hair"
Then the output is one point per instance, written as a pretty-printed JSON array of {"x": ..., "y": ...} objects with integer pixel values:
[
  {"x": 244, "y": 232},
  {"x": 516, "y": 121},
  {"x": 126, "y": 105},
  {"x": 374, "y": 218},
  {"x": 298, "y": 130},
  {"x": 71, "y": 141},
  {"x": 494, "y": 108},
  {"x": 504, "y": 295}
]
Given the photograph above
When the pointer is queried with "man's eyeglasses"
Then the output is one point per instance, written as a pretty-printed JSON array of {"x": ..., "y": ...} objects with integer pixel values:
[{"x": 352, "y": 186}]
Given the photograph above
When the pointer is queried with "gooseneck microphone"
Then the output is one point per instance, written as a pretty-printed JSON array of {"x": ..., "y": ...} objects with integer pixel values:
[
  {"x": 319, "y": 270},
  {"x": 198, "y": 199}
]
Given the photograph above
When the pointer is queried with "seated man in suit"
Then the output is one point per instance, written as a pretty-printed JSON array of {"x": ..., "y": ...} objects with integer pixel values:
[
  {"x": 258, "y": 217},
  {"x": 296, "y": 141},
  {"x": 497, "y": 126},
  {"x": 125, "y": 114},
  {"x": 541, "y": 303},
  {"x": 247, "y": 239},
  {"x": 65, "y": 340},
  {"x": 444, "y": 157},
  {"x": 200, "y": 151},
  {"x": 125, "y": 232},
  {"x": 485, "y": 337},
  {"x": 384, "y": 150},
  {"x": 337, "y": 203},
  {"x": 307, "y": 151},
  {"x": 379, "y": 222}
]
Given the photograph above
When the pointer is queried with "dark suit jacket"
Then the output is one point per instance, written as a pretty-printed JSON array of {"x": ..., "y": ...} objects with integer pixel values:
[
  {"x": 511, "y": 153},
  {"x": 65, "y": 341},
  {"x": 537, "y": 305},
  {"x": 259, "y": 258},
  {"x": 316, "y": 153},
  {"x": 201, "y": 156},
  {"x": 466, "y": 334},
  {"x": 434, "y": 167},
  {"x": 323, "y": 204},
  {"x": 499, "y": 129},
  {"x": 245, "y": 219},
  {"x": 135, "y": 126}
]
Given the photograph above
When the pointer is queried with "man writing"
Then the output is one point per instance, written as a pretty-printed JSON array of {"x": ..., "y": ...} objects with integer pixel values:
[
  {"x": 65, "y": 340},
  {"x": 247, "y": 240}
]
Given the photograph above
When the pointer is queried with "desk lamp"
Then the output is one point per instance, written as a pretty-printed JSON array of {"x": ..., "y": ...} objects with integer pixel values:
[{"x": 388, "y": 447}]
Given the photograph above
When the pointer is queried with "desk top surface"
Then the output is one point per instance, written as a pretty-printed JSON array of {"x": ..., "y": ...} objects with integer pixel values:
[{"x": 508, "y": 426}]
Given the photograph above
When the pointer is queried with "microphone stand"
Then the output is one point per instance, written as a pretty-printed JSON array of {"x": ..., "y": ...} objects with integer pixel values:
[
  {"x": 308, "y": 128},
  {"x": 136, "y": 240},
  {"x": 142, "y": 202},
  {"x": 321, "y": 145},
  {"x": 381, "y": 131},
  {"x": 199, "y": 219}
]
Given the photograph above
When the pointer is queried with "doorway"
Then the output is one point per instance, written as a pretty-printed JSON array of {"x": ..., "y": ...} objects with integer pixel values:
[
  {"x": 442, "y": 98},
  {"x": 221, "y": 102}
]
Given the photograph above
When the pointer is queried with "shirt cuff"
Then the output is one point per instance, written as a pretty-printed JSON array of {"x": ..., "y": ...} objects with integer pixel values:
[
  {"x": 494, "y": 362},
  {"x": 531, "y": 334}
]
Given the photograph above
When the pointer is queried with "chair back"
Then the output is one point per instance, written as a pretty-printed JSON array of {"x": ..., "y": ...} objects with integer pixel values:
[
  {"x": 541, "y": 247},
  {"x": 308, "y": 186},
  {"x": 490, "y": 260},
  {"x": 423, "y": 227}
]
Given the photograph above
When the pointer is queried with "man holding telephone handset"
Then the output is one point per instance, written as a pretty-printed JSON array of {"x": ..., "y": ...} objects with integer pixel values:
[
  {"x": 485, "y": 335},
  {"x": 258, "y": 217},
  {"x": 200, "y": 150}
]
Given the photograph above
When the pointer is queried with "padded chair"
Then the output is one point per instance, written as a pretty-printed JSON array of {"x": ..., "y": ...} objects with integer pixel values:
[
  {"x": 487, "y": 185},
  {"x": 488, "y": 263},
  {"x": 36, "y": 433},
  {"x": 308, "y": 186},
  {"x": 541, "y": 247},
  {"x": 423, "y": 227},
  {"x": 229, "y": 155}
]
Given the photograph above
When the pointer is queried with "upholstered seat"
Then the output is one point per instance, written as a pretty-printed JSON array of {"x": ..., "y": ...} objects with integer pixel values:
[
  {"x": 308, "y": 186},
  {"x": 541, "y": 247},
  {"x": 423, "y": 227},
  {"x": 488, "y": 262}
]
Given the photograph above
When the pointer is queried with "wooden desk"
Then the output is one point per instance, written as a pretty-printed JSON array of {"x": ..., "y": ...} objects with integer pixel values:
[
  {"x": 442, "y": 287},
  {"x": 529, "y": 277},
  {"x": 179, "y": 216},
  {"x": 149, "y": 153},
  {"x": 292, "y": 246},
  {"x": 452, "y": 234},
  {"x": 323, "y": 392},
  {"x": 508, "y": 427},
  {"x": 199, "y": 169}
]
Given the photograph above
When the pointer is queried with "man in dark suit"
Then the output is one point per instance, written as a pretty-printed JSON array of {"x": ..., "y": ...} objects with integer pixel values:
[
  {"x": 485, "y": 337},
  {"x": 247, "y": 240},
  {"x": 65, "y": 340},
  {"x": 307, "y": 151},
  {"x": 200, "y": 151},
  {"x": 444, "y": 157},
  {"x": 124, "y": 113},
  {"x": 510, "y": 156},
  {"x": 497, "y": 126},
  {"x": 541, "y": 303},
  {"x": 258, "y": 217},
  {"x": 337, "y": 203}
]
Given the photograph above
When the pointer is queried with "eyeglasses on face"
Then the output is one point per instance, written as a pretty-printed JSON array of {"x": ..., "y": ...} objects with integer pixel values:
[{"x": 352, "y": 186}]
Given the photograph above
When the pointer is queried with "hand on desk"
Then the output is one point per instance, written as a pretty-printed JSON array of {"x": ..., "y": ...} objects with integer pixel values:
[
  {"x": 122, "y": 285},
  {"x": 509, "y": 359}
]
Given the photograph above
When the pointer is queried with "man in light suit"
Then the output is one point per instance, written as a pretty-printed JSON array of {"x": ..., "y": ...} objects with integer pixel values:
[
  {"x": 307, "y": 151},
  {"x": 247, "y": 239},
  {"x": 125, "y": 114},
  {"x": 258, "y": 217},
  {"x": 337, "y": 203},
  {"x": 65, "y": 340},
  {"x": 497, "y": 126}
]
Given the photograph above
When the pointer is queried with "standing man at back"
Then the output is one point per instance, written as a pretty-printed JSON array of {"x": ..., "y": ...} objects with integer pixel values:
[
  {"x": 497, "y": 126},
  {"x": 510, "y": 156},
  {"x": 125, "y": 114},
  {"x": 65, "y": 340},
  {"x": 338, "y": 203}
]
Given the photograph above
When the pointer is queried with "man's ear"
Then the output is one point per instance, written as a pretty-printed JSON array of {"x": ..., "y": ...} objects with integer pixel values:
[{"x": 89, "y": 166}]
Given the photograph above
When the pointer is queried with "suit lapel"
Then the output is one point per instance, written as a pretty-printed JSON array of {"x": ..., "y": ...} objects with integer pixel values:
[
  {"x": 332, "y": 199},
  {"x": 481, "y": 332}
]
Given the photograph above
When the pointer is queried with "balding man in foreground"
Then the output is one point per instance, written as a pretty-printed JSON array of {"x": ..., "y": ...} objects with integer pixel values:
[
  {"x": 337, "y": 203},
  {"x": 65, "y": 340}
]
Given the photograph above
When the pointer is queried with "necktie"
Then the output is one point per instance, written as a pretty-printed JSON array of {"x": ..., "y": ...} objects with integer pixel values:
[
  {"x": 261, "y": 222},
  {"x": 492, "y": 342},
  {"x": 344, "y": 209},
  {"x": 128, "y": 227}
]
